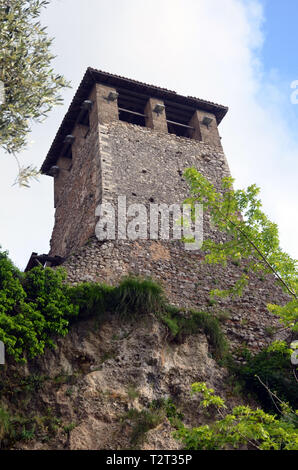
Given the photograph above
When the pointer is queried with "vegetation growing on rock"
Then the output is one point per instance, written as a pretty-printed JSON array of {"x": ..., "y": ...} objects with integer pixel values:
[
  {"x": 243, "y": 426},
  {"x": 272, "y": 367},
  {"x": 37, "y": 306}
]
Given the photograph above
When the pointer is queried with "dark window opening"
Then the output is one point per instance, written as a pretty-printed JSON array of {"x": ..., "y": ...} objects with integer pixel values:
[
  {"x": 68, "y": 152},
  {"x": 131, "y": 109},
  {"x": 178, "y": 130},
  {"x": 84, "y": 118},
  {"x": 83, "y": 115},
  {"x": 131, "y": 118},
  {"x": 178, "y": 119}
]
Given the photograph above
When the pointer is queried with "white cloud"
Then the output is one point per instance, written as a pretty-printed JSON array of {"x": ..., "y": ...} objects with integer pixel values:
[{"x": 205, "y": 48}]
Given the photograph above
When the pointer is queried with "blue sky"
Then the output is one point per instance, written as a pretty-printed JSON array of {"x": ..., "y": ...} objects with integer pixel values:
[
  {"x": 240, "y": 53},
  {"x": 279, "y": 51},
  {"x": 280, "y": 30}
]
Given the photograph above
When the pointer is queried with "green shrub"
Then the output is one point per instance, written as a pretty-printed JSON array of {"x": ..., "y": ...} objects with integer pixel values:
[
  {"x": 171, "y": 323},
  {"x": 132, "y": 392},
  {"x": 148, "y": 418},
  {"x": 69, "y": 427},
  {"x": 169, "y": 408},
  {"x": 91, "y": 299},
  {"x": 273, "y": 367},
  {"x": 25, "y": 427},
  {"x": 142, "y": 421},
  {"x": 243, "y": 426},
  {"x": 192, "y": 322},
  {"x": 5, "y": 424},
  {"x": 135, "y": 296},
  {"x": 34, "y": 307},
  {"x": 132, "y": 296}
]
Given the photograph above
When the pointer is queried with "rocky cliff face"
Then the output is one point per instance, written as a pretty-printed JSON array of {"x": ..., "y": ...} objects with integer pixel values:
[{"x": 102, "y": 379}]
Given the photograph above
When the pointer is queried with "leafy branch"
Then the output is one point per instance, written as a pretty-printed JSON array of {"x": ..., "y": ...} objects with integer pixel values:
[
  {"x": 243, "y": 426},
  {"x": 247, "y": 234},
  {"x": 29, "y": 85},
  {"x": 25, "y": 173}
]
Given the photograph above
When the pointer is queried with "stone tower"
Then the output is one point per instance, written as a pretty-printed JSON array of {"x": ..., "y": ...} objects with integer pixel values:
[{"x": 123, "y": 137}]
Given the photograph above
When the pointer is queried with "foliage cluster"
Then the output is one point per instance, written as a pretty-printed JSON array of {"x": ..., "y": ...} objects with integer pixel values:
[
  {"x": 247, "y": 235},
  {"x": 144, "y": 420},
  {"x": 271, "y": 367},
  {"x": 38, "y": 305},
  {"x": 31, "y": 87},
  {"x": 18, "y": 427},
  {"x": 131, "y": 297},
  {"x": 191, "y": 322},
  {"x": 34, "y": 307},
  {"x": 243, "y": 427}
]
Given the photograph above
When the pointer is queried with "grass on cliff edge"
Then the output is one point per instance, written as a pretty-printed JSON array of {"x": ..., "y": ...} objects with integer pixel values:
[
  {"x": 136, "y": 296},
  {"x": 38, "y": 305}
]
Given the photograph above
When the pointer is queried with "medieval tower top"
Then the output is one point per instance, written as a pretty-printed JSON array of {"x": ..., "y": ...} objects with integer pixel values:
[{"x": 119, "y": 137}]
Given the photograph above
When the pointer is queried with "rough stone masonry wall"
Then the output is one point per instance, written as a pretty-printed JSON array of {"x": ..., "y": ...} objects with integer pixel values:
[
  {"x": 78, "y": 196},
  {"x": 123, "y": 159},
  {"x": 144, "y": 164},
  {"x": 149, "y": 164}
]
